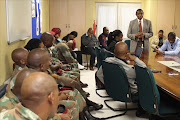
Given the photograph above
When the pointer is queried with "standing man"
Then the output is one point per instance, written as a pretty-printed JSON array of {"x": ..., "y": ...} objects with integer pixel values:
[
  {"x": 103, "y": 38},
  {"x": 88, "y": 42},
  {"x": 140, "y": 30}
]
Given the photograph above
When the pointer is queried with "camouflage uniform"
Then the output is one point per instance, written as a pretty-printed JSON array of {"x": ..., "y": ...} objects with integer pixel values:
[
  {"x": 74, "y": 71},
  {"x": 15, "y": 73},
  {"x": 55, "y": 53},
  {"x": 21, "y": 113},
  {"x": 77, "y": 97},
  {"x": 61, "y": 51},
  {"x": 8, "y": 101}
]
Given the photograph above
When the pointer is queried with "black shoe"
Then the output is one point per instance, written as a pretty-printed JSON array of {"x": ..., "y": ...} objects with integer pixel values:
[
  {"x": 91, "y": 108},
  {"x": 87, "y": 94},
  {"x": 83, "y": 85},
  {"x": 95, "y": 105},
  {"x": 82, "y": 116}
]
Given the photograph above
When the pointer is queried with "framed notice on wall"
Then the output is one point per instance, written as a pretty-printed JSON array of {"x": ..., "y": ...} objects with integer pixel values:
[{"x": 19, "y": 20}]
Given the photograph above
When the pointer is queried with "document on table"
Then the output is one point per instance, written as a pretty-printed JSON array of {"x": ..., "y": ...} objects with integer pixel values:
[{"x": 171, "y": 64}]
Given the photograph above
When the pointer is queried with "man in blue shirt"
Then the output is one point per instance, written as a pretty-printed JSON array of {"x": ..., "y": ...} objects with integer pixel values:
[{"x": 172, "y": 44}]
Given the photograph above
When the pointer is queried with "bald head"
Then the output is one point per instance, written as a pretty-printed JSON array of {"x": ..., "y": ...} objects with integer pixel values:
[
  {"x": 37, "y": 58},
  {"x": 19, "y": 56},
  {"x": 36, "y": 86},
  {"x": 39, "y": 93},
  {"x": 21, "y": 76},
  {"x": 19, "y": 80},
  {"x": 121, "y": 49}
]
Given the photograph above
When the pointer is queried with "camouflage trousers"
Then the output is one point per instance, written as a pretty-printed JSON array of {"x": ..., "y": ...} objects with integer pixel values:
[
  {"x": 77, "y": 97},
  {"x": 73, "y": 75},
  {"x": 72, "y": 108}
]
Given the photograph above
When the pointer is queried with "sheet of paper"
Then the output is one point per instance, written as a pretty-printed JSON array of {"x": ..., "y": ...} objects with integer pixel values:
[
  {"x": 171, "y": 64},
  {"x": 33, "y": 8}
]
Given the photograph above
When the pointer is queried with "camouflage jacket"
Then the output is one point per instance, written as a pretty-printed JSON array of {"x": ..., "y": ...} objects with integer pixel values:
[
  {"x": 61, "y": 51},
  {"x": 21, "y": 113},
  {"x": 8, "y": 101}
]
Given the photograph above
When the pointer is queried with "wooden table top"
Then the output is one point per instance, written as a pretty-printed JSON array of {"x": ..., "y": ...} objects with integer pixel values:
[{"x": 170, "y": 84}]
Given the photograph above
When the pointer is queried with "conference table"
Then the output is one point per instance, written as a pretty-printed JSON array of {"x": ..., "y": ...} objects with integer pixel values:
[{"x": 168, "y": 83}]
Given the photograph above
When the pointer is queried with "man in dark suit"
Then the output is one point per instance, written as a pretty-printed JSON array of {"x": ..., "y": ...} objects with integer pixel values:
[
  {"x": 140, "y": 30},
  {"x": 88, "y": 42}
]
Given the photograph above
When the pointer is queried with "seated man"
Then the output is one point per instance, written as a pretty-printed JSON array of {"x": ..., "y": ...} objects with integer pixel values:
[
  {"x": 103, "y": 38},
  {"x": 60, "y": 51},
  {"x": 88, "y": 42},
  {"x": 19, "y": 56},
  {"x": 13, "y": 96},
  {"x": 158, "y": 40},
  {"x": 172, "y": 44},
  {"x": 39, "y": 97},
  {"x": 122, "y": 55},
  {"x": 38, "y": 60}
]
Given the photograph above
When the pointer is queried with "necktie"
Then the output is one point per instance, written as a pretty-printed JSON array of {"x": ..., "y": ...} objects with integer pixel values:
[{"x": 140, "y": 27}]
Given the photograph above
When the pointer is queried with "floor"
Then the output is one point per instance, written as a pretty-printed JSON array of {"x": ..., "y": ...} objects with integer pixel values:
[{"x": 88, "y": 77}]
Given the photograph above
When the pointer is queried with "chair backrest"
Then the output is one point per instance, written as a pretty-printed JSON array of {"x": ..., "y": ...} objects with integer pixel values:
[
  {"x": 3, "y": 90},
  {"x": 116, "y": 82},
  {"x": 148, "y": 93},
  {"x": 105, "y": 53},
  {"x": 128, "y": 42},
  {"x": 98, "y": 54}
]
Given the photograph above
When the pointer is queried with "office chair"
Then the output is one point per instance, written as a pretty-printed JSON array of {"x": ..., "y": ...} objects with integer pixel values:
[
  {"x": 128, "y": 42},
  {"x": 149, "y": 96},
  {"x": 116, "y": 81}
]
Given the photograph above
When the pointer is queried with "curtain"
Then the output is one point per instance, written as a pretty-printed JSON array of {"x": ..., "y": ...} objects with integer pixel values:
[{"x": 115, "y": 16}]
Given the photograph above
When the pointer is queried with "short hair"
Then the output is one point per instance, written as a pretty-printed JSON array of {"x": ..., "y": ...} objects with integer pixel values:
[
  {"x": 46, "y": 36},
  {"x": 32, "y": 44},
  {"x": 161, "y": 31},
  {"x": 74, "y": 33},
  {"x": 172, "y": 34},
  {"x": 104, "y": 28},
  {"x": 139, "y": 10}
]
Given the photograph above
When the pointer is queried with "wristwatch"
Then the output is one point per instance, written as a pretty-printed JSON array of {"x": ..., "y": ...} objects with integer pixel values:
[{"x": 163, "y": 53}]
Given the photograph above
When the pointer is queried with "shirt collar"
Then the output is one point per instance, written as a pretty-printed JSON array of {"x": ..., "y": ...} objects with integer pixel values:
[
  {"x": 12, "y": 97},
  {"x": 26, "y": 113},
  {"x": 122, "y": 60},
  {"x": 140, "y": 20},
  {"x": 104, "y": 35},
  {"x": 86, "y": 34}
]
